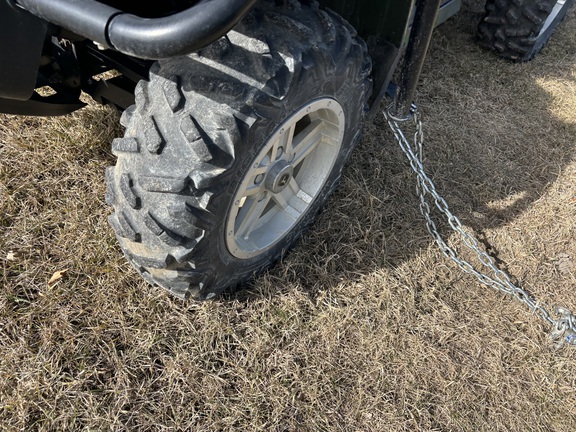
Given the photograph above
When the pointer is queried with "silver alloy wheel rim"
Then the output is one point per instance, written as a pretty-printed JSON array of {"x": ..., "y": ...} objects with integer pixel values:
[{"x": 285, "y": 178}]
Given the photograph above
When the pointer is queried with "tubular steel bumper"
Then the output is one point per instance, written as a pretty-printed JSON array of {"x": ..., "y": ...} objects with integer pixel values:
[{"x": 147, "y": 38}]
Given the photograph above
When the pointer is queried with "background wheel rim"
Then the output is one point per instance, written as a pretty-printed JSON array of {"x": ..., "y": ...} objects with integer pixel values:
[
  {"x": 555, "y": 11},
  {"x": 285, "y": 178}
]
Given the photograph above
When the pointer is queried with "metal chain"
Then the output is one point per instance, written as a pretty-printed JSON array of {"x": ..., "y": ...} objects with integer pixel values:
[{"x": 563, "y": 328}]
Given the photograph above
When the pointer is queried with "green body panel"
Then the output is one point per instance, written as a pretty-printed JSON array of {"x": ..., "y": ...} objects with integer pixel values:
[
  {"x": 385, "y": 26},
  {"x": 386, "y": 19}
]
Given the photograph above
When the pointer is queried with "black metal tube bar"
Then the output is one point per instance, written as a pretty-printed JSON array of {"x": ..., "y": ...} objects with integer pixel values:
[
  {"x": 420, "y": 35},
  {"x": 177, "y": 34},
  {"x": 147, "y": 38},
  {"x": 87, "y": 18}
]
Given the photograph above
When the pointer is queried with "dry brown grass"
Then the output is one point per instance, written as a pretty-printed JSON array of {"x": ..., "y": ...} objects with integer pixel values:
[{"x": 364, "y": 327}]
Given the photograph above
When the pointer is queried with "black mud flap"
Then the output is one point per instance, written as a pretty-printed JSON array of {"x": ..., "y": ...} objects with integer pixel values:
[{"x": 21, "y": 39}]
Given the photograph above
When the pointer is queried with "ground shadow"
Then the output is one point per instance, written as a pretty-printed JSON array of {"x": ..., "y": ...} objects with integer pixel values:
[{"x": 493, "y": 147}]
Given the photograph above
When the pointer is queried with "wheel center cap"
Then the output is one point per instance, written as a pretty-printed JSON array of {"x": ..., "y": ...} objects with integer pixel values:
[{"x": 279, "y": 176}]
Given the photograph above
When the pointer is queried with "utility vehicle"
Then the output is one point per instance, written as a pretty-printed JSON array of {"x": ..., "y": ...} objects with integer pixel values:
[{"x": 239, "y": 115}]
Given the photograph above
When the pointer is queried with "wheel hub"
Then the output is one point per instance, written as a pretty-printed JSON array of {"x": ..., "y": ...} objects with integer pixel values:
[{"x": 279, "y": 177}]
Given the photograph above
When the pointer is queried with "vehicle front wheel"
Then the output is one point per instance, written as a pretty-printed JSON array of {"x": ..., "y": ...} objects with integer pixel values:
[{"x": 231, "y": 152}]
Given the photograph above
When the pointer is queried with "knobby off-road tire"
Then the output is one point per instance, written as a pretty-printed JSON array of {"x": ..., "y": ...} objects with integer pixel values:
[
  {"x": 230, "y": 153},
  {"x": 518, "y": 29}
]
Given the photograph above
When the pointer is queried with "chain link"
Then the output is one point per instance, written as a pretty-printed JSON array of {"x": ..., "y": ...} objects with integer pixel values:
[{"x": 563, "y": 328}]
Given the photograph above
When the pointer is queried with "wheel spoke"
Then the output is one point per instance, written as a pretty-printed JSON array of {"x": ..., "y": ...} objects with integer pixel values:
[
  {"x": 293, "y": 185},
  {"x": 249, "y": 216},
  {"x": 256, "y": 184},
  {"x": 306, "y": 141},
  {"x": 252, "y": 190},
  {"x": 282, "y": 199},
  {"x": 284, "y": 142},
  {"x": 287, "y": 138},
  {"x": 262, "y": 169}
]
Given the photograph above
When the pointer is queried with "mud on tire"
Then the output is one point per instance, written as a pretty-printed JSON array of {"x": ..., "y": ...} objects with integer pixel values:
[{"x": 200, "y": 123}]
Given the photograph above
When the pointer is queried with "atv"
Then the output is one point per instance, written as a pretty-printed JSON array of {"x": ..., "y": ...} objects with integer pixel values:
[{"x": 239, "y": 115}]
